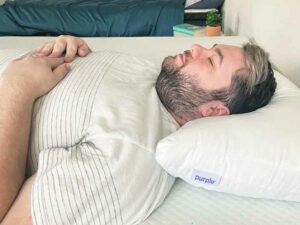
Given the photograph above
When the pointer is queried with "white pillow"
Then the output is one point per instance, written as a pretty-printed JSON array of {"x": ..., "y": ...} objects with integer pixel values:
[
  {"x": 190, "y": 2},
  {"x": 255, "y": 154}
]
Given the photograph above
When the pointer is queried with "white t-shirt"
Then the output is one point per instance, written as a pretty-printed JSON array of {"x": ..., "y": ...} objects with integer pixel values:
[{"x": 93, "y": 144}]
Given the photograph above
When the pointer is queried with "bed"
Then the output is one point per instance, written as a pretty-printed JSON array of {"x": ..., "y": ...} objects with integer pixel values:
[
  {"x": 91, "y": 18},
  {"x": 186, "y": 204},
  {"x": 101, "y": 18}
]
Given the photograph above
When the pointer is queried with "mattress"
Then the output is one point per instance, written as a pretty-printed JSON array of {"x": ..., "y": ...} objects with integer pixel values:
[
  {"x": 101, "y": 18},
  {"x": 190, "y": 205},
  {"x": 186, "y": 204}
]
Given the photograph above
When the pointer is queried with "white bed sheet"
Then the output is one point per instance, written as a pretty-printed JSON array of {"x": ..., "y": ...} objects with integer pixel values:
[
  {"x": 151, "y": 48},
  {"x": 186, "y": 204}
]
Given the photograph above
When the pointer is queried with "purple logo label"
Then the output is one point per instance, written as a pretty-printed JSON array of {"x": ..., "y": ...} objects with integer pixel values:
[{"x": 206, "y": 178}]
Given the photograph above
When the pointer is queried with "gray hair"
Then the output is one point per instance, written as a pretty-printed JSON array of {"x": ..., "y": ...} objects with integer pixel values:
[
  {"x": 253, "y": 86},
  {"x": 257, "y": 64}
]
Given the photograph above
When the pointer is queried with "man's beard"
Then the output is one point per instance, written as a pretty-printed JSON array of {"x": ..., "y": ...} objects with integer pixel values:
[
  {"x": 181, "y": 94},
  {"x": 178, "y": 92}
]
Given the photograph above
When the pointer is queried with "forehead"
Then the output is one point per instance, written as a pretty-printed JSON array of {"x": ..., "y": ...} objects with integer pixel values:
[
  {"x": 234, "y": 58},
  {"x": 233, "y": 55}
]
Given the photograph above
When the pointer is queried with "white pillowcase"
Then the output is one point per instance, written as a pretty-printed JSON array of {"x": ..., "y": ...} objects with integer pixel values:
[{"x": 255, "y": 154}]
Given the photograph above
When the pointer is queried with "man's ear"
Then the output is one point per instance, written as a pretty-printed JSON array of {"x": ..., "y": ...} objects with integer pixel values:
[{"x": 213, "y": 108}]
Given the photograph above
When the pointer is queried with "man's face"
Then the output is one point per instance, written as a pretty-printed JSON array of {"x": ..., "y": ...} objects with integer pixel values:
[{"x": 210, "y": 68}]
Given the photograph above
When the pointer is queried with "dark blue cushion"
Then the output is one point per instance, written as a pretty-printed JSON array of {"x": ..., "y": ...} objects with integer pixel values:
[{"x": 91, "y": 17}]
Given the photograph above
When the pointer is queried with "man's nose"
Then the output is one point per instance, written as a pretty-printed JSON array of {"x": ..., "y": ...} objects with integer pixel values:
[{"x": 198, "y": 51}]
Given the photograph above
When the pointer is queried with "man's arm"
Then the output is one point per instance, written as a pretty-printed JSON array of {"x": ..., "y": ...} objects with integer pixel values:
[
  {"x": 20, "y": 211},
  {"x": 23, "y": 81}
]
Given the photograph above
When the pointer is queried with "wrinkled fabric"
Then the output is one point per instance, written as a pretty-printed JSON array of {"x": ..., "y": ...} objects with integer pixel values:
[{"x": 103, "y": 18}]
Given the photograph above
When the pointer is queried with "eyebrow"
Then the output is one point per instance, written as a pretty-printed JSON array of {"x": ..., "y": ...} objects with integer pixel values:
[{"x": 219, "y": 53}]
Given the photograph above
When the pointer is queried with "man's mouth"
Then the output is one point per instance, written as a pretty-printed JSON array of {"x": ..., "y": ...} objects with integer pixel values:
[{"x": 182, "y": 58}]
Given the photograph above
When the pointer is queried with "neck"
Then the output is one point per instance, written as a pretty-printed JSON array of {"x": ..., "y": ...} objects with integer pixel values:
[{"x": 179, "y": 120}]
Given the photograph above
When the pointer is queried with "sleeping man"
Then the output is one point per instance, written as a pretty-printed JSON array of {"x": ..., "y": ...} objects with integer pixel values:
[{"x": 83, "y": 131}]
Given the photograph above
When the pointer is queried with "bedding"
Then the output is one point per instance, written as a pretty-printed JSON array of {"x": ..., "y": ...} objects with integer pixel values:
[
  {"x": 254, "y": 154},
  {"x": 186, "y": 204},
  {"x": 93, "y": 148},
  {"x": 102, "y": 18}
]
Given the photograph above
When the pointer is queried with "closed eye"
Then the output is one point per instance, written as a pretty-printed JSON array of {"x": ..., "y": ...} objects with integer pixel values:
[{"x": 210, "y": 61}]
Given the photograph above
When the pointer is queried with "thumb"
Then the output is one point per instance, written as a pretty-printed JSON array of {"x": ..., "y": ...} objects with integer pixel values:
[{"x": 61, "y": 71}]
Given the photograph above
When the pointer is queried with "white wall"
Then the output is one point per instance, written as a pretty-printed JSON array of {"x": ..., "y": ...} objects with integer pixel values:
[{"x": 274, "y": 25}]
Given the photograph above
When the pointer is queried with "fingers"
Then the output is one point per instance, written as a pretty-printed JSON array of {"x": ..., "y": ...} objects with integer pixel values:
[
  {"x": 46, "y": 49},
  {"x": 51, "y": 62},
  {"x": 58, "y": 49},
  {"x": 39, "y": 49},
  {"x": 61, "y": 71},
  {"x": 83, "y": 49},
  {"x": 64, "y": 44},
  {"x": 54, "y": 62},
  {"x": 71, "y": 50},
  {"x": 75, "y": 46},
  {"x": 53, "y": 48}
]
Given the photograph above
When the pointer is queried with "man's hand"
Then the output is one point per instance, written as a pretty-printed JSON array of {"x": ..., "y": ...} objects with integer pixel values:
[
  {"x": 33, "y": 76},
  {"x": 21, "y": 83},
  {"x": 64, "y": 44}
]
